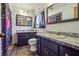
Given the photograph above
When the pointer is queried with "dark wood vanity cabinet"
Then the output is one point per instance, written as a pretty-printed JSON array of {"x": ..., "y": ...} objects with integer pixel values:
[
  {"x": 24, "y": 37},
  {"x": 45, "y": 51},
  {"x": 67, "y": 51},
  {"x": 46, "y": 47}
]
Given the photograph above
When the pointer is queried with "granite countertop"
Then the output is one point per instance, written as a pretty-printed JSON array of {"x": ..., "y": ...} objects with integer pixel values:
[
  {"x": 25, "y": 31},
  {"x": 65, "y": 40}
]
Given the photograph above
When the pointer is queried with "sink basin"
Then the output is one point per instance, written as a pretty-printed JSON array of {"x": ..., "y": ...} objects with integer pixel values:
[
  {"x": 57, "y": 36},
  {"x": 54, "y": 36},
  {"x": 60, "y": 36}
]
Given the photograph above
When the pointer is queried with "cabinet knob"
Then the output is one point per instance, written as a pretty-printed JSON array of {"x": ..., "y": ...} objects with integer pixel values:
[{"x": 66, "y": 54}]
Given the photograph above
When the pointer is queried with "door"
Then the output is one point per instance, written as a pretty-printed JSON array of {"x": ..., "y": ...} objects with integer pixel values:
[{"x": 6, "y": 27}]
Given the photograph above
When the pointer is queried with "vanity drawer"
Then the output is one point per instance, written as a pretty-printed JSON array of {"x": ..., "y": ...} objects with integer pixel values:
[
  {"x": 50, "y": 44},
  {"x": 67, "y": 51}
]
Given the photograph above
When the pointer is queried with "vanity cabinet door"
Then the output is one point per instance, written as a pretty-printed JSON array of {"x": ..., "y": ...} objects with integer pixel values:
[
  {"x": 45, "y": 47},
  {"x": 67, "y": 51},
  {"x": 50, "y": 44},
  {"x": 51, "y": 53},
  {"x": 44, "y": 50},
  {"x": 38, "y": 46},
  {"x": 48, "y": 48},
  {"x": 20, "y": 40}
]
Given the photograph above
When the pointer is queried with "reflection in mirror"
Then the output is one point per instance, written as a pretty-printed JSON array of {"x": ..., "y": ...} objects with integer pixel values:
[
  {"x": 62, "y": 12},
  {"x": 23, "y": 20}
]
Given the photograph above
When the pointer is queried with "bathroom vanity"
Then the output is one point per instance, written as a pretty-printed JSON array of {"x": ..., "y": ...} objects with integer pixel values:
[
  {"x": 50, "y": 45},
  {"x": 23, "y": 37}
]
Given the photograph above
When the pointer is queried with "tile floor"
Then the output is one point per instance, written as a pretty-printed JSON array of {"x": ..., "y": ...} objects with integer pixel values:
[{"x": 21, "y": 51}]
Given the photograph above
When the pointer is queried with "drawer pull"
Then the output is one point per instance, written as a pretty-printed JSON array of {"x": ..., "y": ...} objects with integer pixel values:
[{"x": 66, "y": 54}]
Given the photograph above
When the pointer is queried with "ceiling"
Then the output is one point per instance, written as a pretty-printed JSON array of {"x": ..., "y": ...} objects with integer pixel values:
[{"x": 30, "y": 5}]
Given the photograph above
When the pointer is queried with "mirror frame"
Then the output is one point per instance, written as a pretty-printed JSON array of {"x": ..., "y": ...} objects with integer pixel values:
[
  {"x": 63, "y": 21},
  {"x": 20, "y": 24}
]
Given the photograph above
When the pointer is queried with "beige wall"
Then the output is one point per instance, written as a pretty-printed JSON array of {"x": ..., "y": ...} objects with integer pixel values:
[{"x": 64, "y": 27}]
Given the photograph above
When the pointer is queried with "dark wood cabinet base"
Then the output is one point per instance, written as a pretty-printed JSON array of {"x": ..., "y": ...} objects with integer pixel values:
[
  {"x": 24, "y": 37},
  {"x": 46, "y": 47}
]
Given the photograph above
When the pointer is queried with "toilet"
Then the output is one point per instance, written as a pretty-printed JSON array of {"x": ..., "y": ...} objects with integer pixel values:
[{"x": 32, "y": 43}]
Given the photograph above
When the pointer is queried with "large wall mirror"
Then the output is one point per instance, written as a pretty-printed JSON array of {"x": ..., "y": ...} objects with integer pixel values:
[
  {"x": 62, "y": 12},
  {"x": 22, "y": 20}
]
